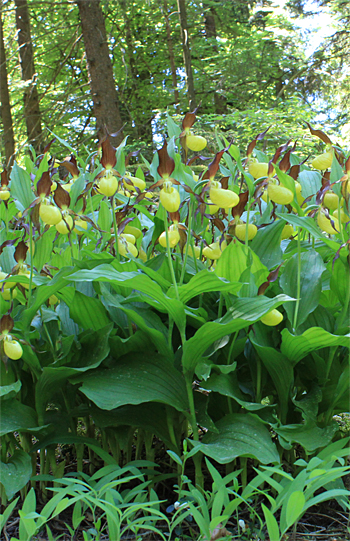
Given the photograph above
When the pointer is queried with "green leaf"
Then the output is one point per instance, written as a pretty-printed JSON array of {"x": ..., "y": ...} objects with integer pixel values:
[
  {"x": 239, "y": 435},
  {"x": 10, "y": 390},
  {"x": 134, "y": 380},
  {"x": 309, "y": 225},
  {"x": 16, "y": 473},
  {"x": 140, "y": 282},
  {"x": 93, "y": 350},
  {"x": 228, "y": 385},
  {"x": 296, "y": 348},
  {"x": 41, "y": 295},
  {"x": 267, "y": 244},
  {"x": 21, "y": 186},
  {"x": 311, "y": 270},
  {"x": 271, "y": 524},
  {"x": 146, "y": 320},
  {"x": 243, "y": 312},
  {"x": 309, "y": 436},
  {"x": 88, "y": 312},
  {"x": 203, "y": 282},
  {"x": 293, "y": 509},
  {"x": 340, "y": 280},
  {"x": 104, "y": 217},
  {"x": 310, "y": 182},
  {"x": 243, "y": 257},
  {"x": 280, "y": 370},
  {"x": 16, "y": 417},
  {"x": 43, "y": 248}
]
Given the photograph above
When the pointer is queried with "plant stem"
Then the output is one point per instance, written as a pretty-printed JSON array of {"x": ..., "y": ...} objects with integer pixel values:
[
  {"x": 247, "y": 222},
  {"x": 115, "y": 230},
  {"x": 31, "y": 258},
  {"x": 189, "y": 229},
  {"x": 295, "y": 319},
  {"x": 170, "y": 261},
  {"x": 193, "y": 421}
]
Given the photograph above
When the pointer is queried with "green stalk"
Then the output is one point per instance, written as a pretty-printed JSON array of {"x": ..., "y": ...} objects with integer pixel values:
[
  {"x": 168, "y": 249},
  {"x": 295, "y": 319},
  {"x": 115, "y": 230},
  {"x": 340, "y": 224},
  {"x": 247, "y": 222},
  {"x": 193, "y": 421},
  {"x": 189, "y": 229},
  {"x": 31, "y": 258}
]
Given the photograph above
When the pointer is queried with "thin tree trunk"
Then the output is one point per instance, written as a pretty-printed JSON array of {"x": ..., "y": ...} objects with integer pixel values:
[
  {"x": 31, "y": 98},
  {"x": 102, "y": 84},
  {"x": 181, "y": 6},
  {"x": 210, "y": 32},
  {"x": 139, "y": 78},
  {"x": 171, "y": 56},
  {"x": 6, "y": 116}
]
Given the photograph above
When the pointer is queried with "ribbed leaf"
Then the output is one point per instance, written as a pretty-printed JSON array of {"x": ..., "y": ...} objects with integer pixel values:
[
  {"x": 311, "y": 270},
  {"x": 234, "y": 261},
  {"x": 203, "y": 282},
  {"x": 297, "y": 347},
  {"x": 21, "y": 186},
  {"x": 267, "y": 244},
  {"x": 134, "y": 380},
  {"x": 140, "y": 282},
  {"x": 309, "y": 225},
  {"x": 16, "y": 416},
  {"x": 16, "y": 473},
  {"x": 239, "y": 435},
  {"x": 88, "y": 312},
  {"x": 244, "y": 312}
]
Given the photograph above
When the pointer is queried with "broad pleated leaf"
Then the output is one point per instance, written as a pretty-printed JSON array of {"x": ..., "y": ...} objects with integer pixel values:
[
  {"x": 234, "y": 261},
  {"x": 297, "y": 347},
  {"x": 280, "y": 370},
  {"x": 16, "y": 473},
  {"x": 311, "y": 270},
  {"x": 309, "y": 225},
  {"x": 203, "y": 282},
  {"x": 267, "y": 244},
  {"x": 16, "y": 417},
  {"x": 136, "y": 379},
  {"x": 88, "y": 312},
  {"x": 244, "y": 312},
  {"x": 239, "y": 435},
  {"x": 21, "y": 186},
  {"x": 138, "y": 281}
]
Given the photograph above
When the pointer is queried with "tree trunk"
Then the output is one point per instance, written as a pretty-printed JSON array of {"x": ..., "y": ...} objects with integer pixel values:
[
  {"x": 31, "y": 98},
  {"x": 102, "y": 85},
  {"x": 210, "y": 32},
  {"x": 171, "y": 56},
  {"x": 6, "y": 116},
  {"x": 181, "y": 6},
  {"x": 140, "y": 77}
]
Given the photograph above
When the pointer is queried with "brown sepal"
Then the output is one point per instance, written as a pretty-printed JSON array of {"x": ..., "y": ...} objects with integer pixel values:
[
  {"x": 272, "y": 277},
  {"x": 108, "y": 157},
  {"x": 4, "y": 178},
  {"x": 34, "y": 216},
  {"x": 7, "y": 243},
  {"x": 47, "y": 147},
  {"x": 214, "y": 165},
  {"x": 259, "y": 137},
  {"x": 122, "y": 224},
  {"x": 174, "y": 216},
  {"x": 44, "y": 184},
  {"x": 347, "y": 166},
  {"x": 71, "y": 165},
  {"x": 320, "y": 134},
  {"x": 238, "y": 210},
  {"x": 166, "y": 164},
  {"x": 219, "y": 224},
  {"x": 338, "y": 254},
  {"x": 224, "y": 182},
  {"x": 61, "y": 197},
  {"x": 20, "y": 252},
  {"x": 189, "y": 119},
  {"x": 6, "y": 323}
]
